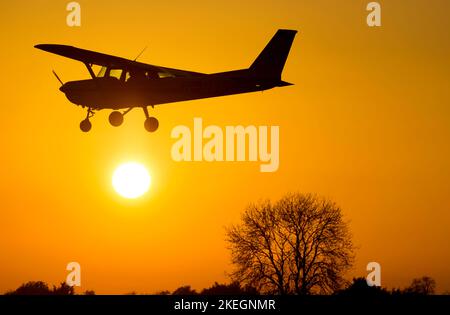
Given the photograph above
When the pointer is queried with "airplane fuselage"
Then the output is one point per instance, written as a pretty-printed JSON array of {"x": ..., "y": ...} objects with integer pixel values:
[{"x": 113, "y": 93}]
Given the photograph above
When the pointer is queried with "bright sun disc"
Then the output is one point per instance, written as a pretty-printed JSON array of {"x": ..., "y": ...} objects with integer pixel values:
[{"x": 131, "y": 180}]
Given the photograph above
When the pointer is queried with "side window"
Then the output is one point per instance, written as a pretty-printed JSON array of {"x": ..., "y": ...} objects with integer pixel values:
[
  {"x": 116, "y": 73},
  {"x": 163, "y": 75}
]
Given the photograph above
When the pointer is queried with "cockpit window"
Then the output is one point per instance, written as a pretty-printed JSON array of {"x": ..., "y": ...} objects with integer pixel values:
[{"x": 107, "y": 72}]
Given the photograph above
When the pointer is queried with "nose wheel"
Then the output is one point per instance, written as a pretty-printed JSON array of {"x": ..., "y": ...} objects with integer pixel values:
[{"x": 85, "y": 125}]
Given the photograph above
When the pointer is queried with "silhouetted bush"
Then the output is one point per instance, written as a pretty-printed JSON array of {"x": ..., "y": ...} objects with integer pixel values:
[
  {"x": 42, "y": 288},
  {"x": 359, "y": 287},
  {"x": 63, "y": 289},
  {"x": 233, "y": 288},
  {"x": 419, "y": 286},
  {"x": 184, "y": 290},
  {"x": 31, "y": 288}
]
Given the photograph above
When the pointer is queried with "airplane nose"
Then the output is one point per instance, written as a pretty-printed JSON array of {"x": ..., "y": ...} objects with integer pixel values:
[{"x": 63, "y": 88}]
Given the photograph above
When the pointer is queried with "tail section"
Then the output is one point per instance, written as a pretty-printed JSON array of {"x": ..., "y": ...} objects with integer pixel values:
[{"x": 271, "y": 60}]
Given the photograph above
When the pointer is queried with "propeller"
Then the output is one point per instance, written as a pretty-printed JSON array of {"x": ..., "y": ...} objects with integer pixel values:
[{"x": 60, "y": 81}]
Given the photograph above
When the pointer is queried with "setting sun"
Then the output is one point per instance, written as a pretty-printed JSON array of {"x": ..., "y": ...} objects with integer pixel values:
[{"x": 131, "y": 180}]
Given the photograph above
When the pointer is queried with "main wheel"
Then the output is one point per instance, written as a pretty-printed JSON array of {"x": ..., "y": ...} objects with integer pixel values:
[
  {"x": 151, "y": 124},
  {"x": 85, "y": 125},
  {"x": 116, "y": 118}
]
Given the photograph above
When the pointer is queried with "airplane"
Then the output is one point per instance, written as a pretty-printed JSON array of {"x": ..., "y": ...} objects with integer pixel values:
[{"x": 123, "y": 84}]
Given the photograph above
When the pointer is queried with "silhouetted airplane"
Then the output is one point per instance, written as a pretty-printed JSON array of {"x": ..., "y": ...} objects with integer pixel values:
[{"x": 126, "y": 84}]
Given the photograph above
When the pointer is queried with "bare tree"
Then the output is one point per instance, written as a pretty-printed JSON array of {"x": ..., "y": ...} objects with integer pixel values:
[
  {"x": 299, "y": 245},
  {"x": 422, "y": 286}
]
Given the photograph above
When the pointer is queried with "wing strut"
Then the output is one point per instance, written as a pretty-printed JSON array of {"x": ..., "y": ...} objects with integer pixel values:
[{"x": 90, "y": 70}]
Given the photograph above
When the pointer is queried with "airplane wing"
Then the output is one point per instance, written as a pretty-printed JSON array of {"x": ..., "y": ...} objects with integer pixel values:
[{"x": 96, "y": 58}]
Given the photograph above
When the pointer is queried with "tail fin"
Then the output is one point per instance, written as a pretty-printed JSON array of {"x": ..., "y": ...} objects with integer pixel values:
[{"x": 271, "y": 60}]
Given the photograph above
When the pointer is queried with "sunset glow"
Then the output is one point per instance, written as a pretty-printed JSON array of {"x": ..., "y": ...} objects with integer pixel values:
[{"x": 366, "y": 124}]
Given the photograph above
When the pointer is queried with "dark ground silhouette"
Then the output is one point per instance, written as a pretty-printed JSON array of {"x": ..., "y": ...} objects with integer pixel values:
[{"x": 357, "y": 288}]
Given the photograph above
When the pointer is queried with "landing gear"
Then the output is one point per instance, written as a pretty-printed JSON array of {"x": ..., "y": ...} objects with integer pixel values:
[
  {"x": 116, "y": 118},
  {"x": 85, "y": 125},
  {"x": 151, "y": 124}
]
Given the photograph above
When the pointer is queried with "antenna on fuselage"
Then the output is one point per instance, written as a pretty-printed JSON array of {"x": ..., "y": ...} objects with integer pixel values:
[
  {"x": 140, "y": 53},
  {"x": 60, "y": 81}
]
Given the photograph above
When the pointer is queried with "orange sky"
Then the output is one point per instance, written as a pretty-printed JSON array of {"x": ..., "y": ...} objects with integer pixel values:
[{"x": 367, "y": 124}]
